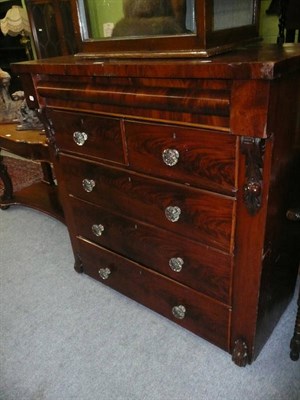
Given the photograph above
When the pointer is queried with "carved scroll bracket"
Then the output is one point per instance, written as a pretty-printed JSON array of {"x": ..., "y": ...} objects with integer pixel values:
[
  {"x": 49, "y": 129},
  {"x": 253, "y": 148}
]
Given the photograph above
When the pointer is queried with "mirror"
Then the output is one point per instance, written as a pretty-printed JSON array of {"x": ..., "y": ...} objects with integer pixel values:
[
  {"x": 136, "y": 18},
  {"x": 232, "y": 14},
  {"x": 163, "y": 28}
]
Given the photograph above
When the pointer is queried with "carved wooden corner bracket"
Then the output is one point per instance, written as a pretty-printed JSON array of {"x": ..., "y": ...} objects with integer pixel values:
[
  {"x": 49, "y": 129},
  {"x": 253, "y": 149}
]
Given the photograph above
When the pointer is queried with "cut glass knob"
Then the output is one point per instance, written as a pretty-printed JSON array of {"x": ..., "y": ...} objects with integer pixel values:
[
  {"x": 104, "y": 273},
  {"x": 97, "y": 229},
  {"x": 88, "y": 185},
  {"x": 172, "y": 213},
  {"x": 170, "y": 157},
  {"x": 179, "y": 311},
  {"x": 176, "y": 264},
  {"x": 80, "y": 138}
]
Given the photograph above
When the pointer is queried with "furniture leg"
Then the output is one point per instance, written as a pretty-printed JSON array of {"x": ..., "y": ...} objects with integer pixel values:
[
  {"x": 47, "y": 173},
  {"x": 295, "y": 342},
  {"x": 8, "y": 187}
]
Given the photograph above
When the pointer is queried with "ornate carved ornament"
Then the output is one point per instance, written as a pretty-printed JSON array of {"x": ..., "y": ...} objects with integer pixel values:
[
  {"x": 49, "y": 129},
  {"x": 253, "y": 148}
]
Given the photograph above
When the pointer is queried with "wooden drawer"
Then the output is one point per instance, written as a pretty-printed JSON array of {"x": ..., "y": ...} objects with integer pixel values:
[
  {"x": 202, "y": 215},
  {"x": 100, "y": 137},
  {"x": 191, "y": 156},
  {"x": 203, "y": 316},
  {"x": 189, "y": 262}
]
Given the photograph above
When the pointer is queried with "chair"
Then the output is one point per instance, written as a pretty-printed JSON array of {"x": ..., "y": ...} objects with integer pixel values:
[
  {"x": 289, "y": 26},
  {"x": 289, "y": 22},
  {"x": 294, "y": 215}
]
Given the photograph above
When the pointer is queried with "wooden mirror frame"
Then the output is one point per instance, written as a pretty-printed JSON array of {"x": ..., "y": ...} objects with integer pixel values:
[{"x": 205, "y": 42}]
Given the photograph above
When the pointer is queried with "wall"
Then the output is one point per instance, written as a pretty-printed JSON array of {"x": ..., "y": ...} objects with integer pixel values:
[
  {"x": 103, "y": 13},
  {"x": 268, "y": 24}
]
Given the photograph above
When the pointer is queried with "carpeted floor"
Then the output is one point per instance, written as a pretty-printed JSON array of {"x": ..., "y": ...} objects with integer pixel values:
[
  {"x": 64, "y": 336},
  {"x": 22, "y": 172}
]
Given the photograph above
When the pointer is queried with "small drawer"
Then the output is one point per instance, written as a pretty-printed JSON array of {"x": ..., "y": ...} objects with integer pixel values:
[
  {"x": 205, "y": 317},
  {"x": 186, "y": 261},
  {"x": 200, "y": 215},
  {"x": 192, "y": 156},
  {"x": 88, "y": 135}
]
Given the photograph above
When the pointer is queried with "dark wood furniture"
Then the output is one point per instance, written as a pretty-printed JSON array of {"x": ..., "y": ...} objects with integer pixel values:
[
  {"x": 52, "y": 27},
  {"x": 289, "y": 21},
  {"x": 294, "y": 216},
  {"x": 30, "y": 145},
  {"x": 175, "y": 178},
  {"x": 211, "y": 27},
  {"x": 295, "y": 341}
]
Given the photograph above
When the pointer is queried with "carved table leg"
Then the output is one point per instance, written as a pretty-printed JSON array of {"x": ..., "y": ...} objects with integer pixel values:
[
  {"x": 8, "y": 187},
  {"x": 295, "y": 342},
  {"x": 47, "y": 173}
]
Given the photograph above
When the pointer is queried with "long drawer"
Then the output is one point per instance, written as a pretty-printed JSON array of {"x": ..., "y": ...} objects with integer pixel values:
[
  {"x": 197, "y": 214},
  {"x": 190, "y": 309},
  {"x": 88, "y": 135},
  {"x": 195, "y": 265},
  {"x": 191, "y": 156}
]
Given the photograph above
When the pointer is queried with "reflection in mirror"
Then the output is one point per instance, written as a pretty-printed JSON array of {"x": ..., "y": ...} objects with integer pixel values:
[{"x": 136, "y": 18}]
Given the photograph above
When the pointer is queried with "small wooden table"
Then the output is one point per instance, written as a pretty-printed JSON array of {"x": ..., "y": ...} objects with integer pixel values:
[{"x": 32, "y": 145}]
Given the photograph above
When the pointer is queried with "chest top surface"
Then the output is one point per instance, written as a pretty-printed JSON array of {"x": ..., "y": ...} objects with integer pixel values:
[{"x": 253, "y": 62}]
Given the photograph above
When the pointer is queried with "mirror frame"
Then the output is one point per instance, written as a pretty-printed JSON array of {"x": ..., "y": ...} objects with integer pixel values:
[{"x": 205, "y": 42}]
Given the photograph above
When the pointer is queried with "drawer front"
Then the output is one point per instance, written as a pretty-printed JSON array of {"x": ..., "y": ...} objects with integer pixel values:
[
  {"x": 201, "y": 315},
  {"x": 193, "y": 213},
  {"x": 88, "y": 135},
  {"x": 196, "y": 157},
  {"x": 191, "y": 263}
]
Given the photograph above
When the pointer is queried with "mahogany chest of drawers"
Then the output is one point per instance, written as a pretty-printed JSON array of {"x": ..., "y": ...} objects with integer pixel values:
[{"x": 176, "y": 177}]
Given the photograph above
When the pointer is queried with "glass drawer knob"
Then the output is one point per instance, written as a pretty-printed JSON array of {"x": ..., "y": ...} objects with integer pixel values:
[
  {"x": 97, "y": 229},
  {"x": 179, "y": 311},
  {"x": 172, "y": 213},
  {"x": 170, "y": 157},
  {"x": 176, "y": 264},
  {"x": 293, "y": 214},
  {"x": 80, "y": 138},
  {"x": 104, "y": 273},
  {"x": 88, "y": 185}
]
